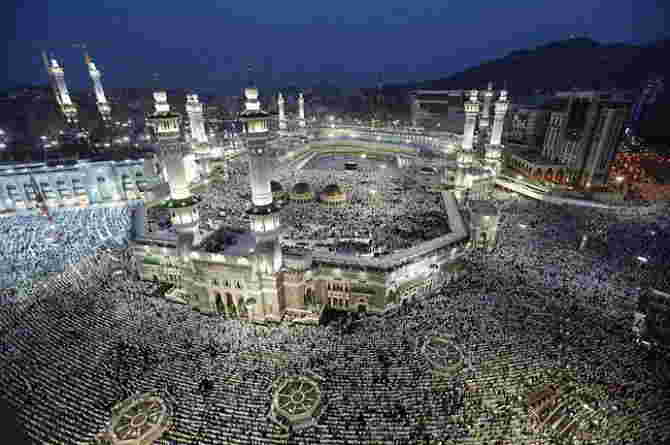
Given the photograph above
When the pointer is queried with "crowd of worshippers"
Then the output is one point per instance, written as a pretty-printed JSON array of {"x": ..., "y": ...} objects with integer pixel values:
[
  {"x": 375, "y": 380},
  {"x": 34, "y": 245},
  {"x": 384, "y": 213}
]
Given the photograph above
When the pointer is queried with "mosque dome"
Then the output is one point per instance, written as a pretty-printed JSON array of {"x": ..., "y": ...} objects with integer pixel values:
[
  {"x": 301, "y": 188},
  {"x": 332, "y": 189},
  {"x": 276, "y": 187}
]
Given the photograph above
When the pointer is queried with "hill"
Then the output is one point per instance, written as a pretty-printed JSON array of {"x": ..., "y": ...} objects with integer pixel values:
[{"x": 575, "y": 63}]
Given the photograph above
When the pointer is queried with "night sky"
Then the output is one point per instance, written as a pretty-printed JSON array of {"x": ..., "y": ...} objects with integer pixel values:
[{"x": 206, "y": 44}]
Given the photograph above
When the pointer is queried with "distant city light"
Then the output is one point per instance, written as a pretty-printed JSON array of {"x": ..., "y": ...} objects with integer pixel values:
[{"x": 642, "y": 259}]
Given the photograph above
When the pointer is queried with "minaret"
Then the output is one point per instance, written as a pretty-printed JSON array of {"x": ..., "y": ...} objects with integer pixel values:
[
  {"x": 264, "y": 215},
  {"x": 282, "y": 114},
  {"x": 471, "y": 111},
  {"x": 301, "y": 111},
  {"x": 62, "y": 95},
  {"x": 196, "y": 119},
  {"x": 256, "y": 135},
  {"x": 182, "y": 205},
  {"x": 499, "y": 118},
  {"x": 101, "y": 100},
  {"x": 488, "y": 96},
  {"x": 52, "y": 79},
  {"x": 415, "y": 109}
]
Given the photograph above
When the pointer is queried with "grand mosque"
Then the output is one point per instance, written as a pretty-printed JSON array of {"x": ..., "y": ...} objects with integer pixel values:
[{"x": 256, "y": 276}]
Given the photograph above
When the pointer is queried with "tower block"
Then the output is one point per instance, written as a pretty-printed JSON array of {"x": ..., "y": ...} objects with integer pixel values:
[
  {"x": 103, "y": 107},
  {"x": 499, "y": 118},
  {"x": 68, "y": 109},
  {"x": 301, "y": 111},
  {"x": 182, "y": 205}
]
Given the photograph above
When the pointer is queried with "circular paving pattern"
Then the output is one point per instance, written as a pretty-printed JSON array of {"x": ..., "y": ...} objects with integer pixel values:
[
  {"x": 139, "y": 420},
  {"x": 296, "y": 399},
  {"x": 445, "y": 356}
]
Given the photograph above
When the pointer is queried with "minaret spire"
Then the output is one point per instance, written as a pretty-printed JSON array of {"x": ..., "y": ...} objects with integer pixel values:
[
  {"x": 52, "y": 79},
  {"x": 301, "y": 110},
  {"x": 196, "y": 120},
  {"x": 501, "y": 106},
  {"x": 68, "y": 109},
  {"x": 101, "y": 100},
  {"x": 282, "y": 114}
]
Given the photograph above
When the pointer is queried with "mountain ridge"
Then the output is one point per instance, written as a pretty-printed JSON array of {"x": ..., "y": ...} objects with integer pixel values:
[{"x": 581, "y": 63}]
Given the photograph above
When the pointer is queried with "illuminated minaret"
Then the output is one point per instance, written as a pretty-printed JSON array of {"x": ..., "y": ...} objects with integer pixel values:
[
  {"x": 256, "y": 136},
  {"x": 488, "y": 96},
  {"x": 101, "y": 100},
  {"x": 471, "y": 111},
  {"x": 499, "y": 118},
  {"x": 62, "y": 94},
  {"x": 301, "y": 111},
  {"x": 182, "y": 205},
  {"x": 52, "y": 79},
  {"x": 282, "y": 114},
  {"x": 196, "y": 119},
  {"x": 264, "y": 215}
]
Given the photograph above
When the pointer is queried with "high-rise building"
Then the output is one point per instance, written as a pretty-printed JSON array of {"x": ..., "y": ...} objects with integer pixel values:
[{"x": 584, "y": 134}]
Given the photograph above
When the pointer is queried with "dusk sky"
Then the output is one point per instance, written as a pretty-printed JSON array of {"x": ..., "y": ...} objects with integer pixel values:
[{"x": 207, "y": 44}]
